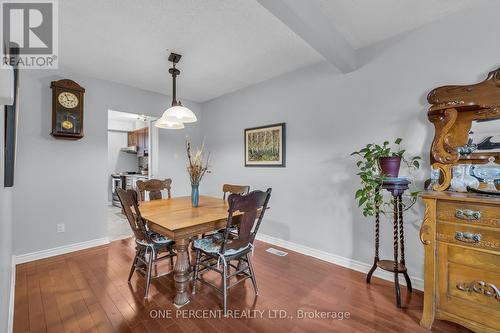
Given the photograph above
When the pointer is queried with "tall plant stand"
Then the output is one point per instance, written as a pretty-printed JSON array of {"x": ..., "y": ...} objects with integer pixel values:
[{"x": 396, "y": 186}]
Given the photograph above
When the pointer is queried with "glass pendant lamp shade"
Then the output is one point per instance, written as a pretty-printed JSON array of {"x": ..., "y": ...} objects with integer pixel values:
[
  {"x": 179, "y": 114},
  {"x": 162, "y": 123}
]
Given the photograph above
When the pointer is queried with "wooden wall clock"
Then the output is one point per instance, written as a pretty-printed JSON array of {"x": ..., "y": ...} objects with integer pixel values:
[{"x": 67, "y": 110}]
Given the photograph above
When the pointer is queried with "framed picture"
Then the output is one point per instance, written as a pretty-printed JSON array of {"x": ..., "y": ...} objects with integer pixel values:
[{"x": 265, "y": 146}]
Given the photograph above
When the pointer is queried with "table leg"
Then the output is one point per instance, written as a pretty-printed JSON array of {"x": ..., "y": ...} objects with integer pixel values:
[{"x": 181, "y": 272}]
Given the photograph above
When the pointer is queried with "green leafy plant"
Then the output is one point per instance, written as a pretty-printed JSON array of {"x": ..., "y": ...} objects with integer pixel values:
[{"x": 368, "y": 196}]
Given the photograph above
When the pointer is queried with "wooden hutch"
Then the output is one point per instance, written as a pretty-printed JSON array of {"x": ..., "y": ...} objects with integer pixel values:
[{"x": 461, "y": 231}]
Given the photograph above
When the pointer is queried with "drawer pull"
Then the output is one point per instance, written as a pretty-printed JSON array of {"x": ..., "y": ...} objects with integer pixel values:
[
  {"x": 468, "y": 214},
  {"x": 480, "y": 287},
  {"x": 467, "y": 237}
]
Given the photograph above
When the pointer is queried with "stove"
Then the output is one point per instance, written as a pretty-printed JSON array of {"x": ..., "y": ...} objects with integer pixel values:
[{"x": 118, "y": 181}]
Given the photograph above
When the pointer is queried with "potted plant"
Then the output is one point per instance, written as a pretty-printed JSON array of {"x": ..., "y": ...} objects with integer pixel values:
[
  {"x": 196, "y": 170},
  {"x": 376, "y": 163}
]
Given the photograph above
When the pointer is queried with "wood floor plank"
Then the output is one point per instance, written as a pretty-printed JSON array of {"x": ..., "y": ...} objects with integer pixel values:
[
  {"x": 63, "y": 294},
  {"x": 35, "y": 305},
  {"x": 87, "y": 291},
  {"x": 21, "y": 307},
  {"x": 51, "y": 311}
]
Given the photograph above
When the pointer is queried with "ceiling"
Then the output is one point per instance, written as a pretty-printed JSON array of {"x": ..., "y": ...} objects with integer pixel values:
[
  {"x": 226, "y": 44},
  {"x": 365, "y": 22}
]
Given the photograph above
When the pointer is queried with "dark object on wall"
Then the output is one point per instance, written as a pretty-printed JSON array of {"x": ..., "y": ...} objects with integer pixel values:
[
  {"x": 67, "y": 110},
  {"x": 265, "y": 146},
  {"x": 390, "y": 165},
  {"x": 10, "y": 129}
]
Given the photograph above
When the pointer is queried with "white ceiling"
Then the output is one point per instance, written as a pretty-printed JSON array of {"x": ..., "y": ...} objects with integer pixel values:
[
  {"x": 226, "y": 44},
  {"x": 364, "y": 22}
]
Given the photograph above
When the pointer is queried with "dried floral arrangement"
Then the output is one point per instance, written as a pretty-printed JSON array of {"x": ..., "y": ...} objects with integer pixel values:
[{"x": 196, "y": 169}]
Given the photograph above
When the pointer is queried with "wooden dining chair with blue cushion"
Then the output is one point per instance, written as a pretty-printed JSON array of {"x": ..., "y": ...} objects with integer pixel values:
[
  {"x": 149, "y": 244},
  {"x": 234, "y": 189},
  {"x": 229, "y": 189},
  {"x": 222, "y": 249}
]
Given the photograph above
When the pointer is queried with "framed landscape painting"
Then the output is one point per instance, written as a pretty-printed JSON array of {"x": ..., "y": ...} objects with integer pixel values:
[{"x": 265, "y": 146}]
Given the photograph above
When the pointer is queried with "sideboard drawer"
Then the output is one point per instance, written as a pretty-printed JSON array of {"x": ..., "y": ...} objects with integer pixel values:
[
  {"x": 476, "y": 237},
  {"x": 469, "y": 289},
  {"x": 473, "y": 213},
  {"x": 473, "y": 285}
]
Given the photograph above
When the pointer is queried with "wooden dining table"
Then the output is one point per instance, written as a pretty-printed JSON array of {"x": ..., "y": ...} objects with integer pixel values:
[{"x": 178, "y": 220}]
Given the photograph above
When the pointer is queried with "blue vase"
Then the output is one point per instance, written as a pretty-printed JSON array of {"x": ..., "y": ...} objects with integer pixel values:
[{"x": 195, "y": 195}]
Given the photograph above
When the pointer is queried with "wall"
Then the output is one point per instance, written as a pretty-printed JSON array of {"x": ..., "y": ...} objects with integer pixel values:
[
  {"x": 60, "y": 181},
  {"x": 5, "y": 239},
  {"x": 329, "y": 115}
]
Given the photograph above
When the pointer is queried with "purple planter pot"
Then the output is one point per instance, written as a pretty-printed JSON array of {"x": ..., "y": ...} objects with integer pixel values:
[{"x": 390, "y": 166}]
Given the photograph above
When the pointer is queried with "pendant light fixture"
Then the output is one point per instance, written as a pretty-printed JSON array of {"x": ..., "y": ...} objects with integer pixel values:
[
  {"x": 176, "y": 115},
  {"x": 161, "y": 123}
]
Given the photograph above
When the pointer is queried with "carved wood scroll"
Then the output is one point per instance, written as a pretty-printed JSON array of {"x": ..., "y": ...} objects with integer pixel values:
[
  {"x": 480, "y": 287},
  {"x": 453, "y": 110}
]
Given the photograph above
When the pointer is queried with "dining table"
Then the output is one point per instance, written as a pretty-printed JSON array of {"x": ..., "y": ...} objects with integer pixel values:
[{"x": 178, "y": 220}]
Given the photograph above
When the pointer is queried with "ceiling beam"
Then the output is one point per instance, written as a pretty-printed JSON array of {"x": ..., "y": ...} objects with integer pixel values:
[{"x": 309, "y": 23}]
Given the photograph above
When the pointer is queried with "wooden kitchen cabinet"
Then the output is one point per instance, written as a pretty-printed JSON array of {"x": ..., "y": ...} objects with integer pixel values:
[
  {"x": 139, "y": 138},
  {"x": 146, "y": 140},
  {"x": 131, "y": 139}
]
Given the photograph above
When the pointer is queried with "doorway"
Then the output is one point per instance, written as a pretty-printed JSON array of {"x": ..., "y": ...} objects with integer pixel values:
[{"x": 132, "y": 156}]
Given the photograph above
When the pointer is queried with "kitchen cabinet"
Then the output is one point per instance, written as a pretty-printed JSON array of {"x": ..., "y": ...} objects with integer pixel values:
[
  {"x": 143, "y": 142},
  {"x": 146, "y": 141},
  {"x": 140, "y": 139},
  {"x": 131, "y": 139}
]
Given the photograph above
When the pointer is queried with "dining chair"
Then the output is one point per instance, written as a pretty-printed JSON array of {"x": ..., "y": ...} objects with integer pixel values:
[
  {"x": 154, "y": 187},
  {"x": 149, "y": 244},
  {"x": 233, "y": 189},
  {"x": 238, "y": 189},
  {"x": 221, "y": 249}
]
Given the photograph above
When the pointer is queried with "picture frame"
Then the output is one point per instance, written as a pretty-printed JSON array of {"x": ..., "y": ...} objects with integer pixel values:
[{"x": 265, "y": 146}]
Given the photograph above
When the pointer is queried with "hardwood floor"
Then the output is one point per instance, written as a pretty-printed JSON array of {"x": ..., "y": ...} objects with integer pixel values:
[{"x": 87, "y": 291}]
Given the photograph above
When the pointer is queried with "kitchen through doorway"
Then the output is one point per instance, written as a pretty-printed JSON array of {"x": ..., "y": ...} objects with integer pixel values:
[{"x": 132, "y": 156}]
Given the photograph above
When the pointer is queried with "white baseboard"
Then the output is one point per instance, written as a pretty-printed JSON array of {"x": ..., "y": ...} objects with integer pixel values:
[
  {"x": 417, "y": 283},
  {"x": 27, "y": 257},
  {"x": 10, "y": 324}
]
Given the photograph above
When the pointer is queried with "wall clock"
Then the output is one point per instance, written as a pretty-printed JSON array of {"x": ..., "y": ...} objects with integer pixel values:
[{"x": 67, "y": 110}]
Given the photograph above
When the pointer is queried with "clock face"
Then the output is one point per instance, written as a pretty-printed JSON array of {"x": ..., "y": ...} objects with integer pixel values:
[{"x": 68, "y": 100}]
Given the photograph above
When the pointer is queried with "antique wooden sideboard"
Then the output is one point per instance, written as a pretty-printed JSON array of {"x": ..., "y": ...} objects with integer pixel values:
[
  {"x": 461, "y": 231},
  {"x": 461, "y": 237}
]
